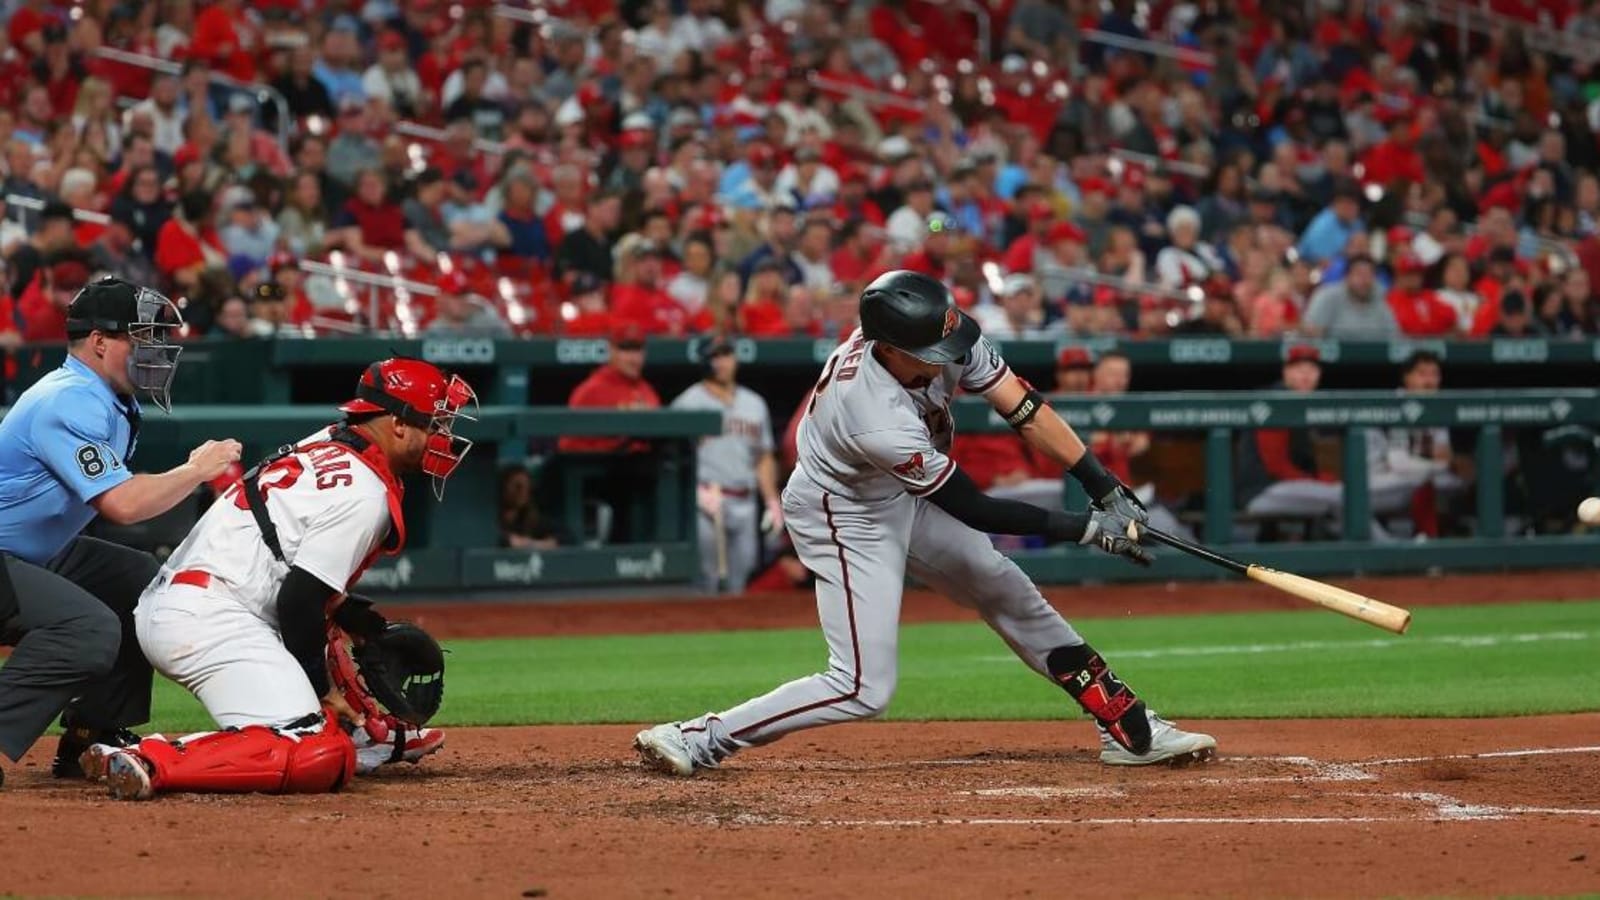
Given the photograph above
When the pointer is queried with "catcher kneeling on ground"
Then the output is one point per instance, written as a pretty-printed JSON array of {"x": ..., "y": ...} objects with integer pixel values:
[{"x": 252, "y": 611}]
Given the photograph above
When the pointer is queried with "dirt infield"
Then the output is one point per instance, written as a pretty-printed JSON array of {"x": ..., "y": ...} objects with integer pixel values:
[
  {"x": 797, "y": 609},
  {"x": 1295, "y": 808}
]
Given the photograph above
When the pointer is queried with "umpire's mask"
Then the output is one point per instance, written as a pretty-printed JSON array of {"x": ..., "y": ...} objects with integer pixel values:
[{"x": 146, "y": 317}]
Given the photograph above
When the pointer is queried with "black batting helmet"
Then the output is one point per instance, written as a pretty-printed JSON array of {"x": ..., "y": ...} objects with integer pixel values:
[{"x": 915, "y": 313}]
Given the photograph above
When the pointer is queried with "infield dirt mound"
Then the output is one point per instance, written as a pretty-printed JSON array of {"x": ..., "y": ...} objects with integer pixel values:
[{"x": 1294, "y": 808}]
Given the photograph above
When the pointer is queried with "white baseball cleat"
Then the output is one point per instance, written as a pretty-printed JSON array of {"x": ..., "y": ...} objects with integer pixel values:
[
  {"x": 126, "y": 777},
  {"x": 95, "y": 760},
  {"x": 664, "y": 749},
  {"x": 1168, "y": 744},
  {"x": 380, "y": 744}
]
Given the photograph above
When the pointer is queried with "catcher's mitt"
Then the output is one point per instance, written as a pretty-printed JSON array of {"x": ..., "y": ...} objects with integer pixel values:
[{"x": 403, "y": 667}]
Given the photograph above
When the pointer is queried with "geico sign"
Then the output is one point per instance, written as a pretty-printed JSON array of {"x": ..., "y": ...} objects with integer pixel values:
[
  {"x": 1201, "y": 351},
  {"x": 459, "y": 351},
  {"x": 580, "y": 353}
]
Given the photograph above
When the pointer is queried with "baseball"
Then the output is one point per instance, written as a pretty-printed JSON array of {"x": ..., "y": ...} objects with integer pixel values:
[{"x": 1589, "y": 511}]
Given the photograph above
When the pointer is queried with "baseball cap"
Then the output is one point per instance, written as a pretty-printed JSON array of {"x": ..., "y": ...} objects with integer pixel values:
[
  {"x": 69, "y": 275},
  {"x": 110, "y": 304},
  {"x": 584, "y": 283},
  {"x": 454, "y": 283},
  {"x": 627, "y": 336},
  {"x": 715, "y": 346},
  {"x": 55, "y": 209},
  {"x": 1016, "y": 282},
  {"x": 1075, "y": 358},
  {"x": 1066, "y": 231},
  {"x": 1303, "y": 353}
]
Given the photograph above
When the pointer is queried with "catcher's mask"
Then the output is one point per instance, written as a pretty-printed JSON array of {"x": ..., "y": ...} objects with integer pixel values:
[
  {"x": 147, "y": 317},
  {"x": 419, "y": 394}
]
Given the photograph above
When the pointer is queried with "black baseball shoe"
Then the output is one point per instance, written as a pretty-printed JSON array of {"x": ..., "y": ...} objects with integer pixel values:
[{"x": 76, "y": 746}]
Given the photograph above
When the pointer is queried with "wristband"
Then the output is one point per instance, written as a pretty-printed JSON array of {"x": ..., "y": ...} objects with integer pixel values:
[
  {"x": 1031, "y": 403},
  {"x": 1067, "y": 526},
  {"x": 1097, "y": 482}
]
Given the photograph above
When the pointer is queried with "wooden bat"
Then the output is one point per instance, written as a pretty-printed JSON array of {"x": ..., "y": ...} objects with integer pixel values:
[{"x": 1350, "y": 603}]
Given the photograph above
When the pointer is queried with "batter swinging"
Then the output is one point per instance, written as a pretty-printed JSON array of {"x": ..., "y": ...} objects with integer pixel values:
[{"x": 875, "y": 496}]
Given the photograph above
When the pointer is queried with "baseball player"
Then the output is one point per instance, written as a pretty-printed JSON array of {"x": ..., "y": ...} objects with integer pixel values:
[
  {"x": 732, "y": 467},
  {"x": 239, "y": 612},
  {"x": 875, "y": 497},
  {"x": 66, "y": 456}
]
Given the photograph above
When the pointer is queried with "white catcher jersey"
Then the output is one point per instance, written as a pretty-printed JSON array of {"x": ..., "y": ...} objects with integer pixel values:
[
  {"x": 331, "y": 512},
  {"x": 867, "y": 437},
  {"x": 730, "y": 458}
]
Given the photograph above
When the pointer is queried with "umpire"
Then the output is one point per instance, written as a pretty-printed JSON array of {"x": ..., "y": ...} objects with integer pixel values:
[{"x": 66, "y": 601}]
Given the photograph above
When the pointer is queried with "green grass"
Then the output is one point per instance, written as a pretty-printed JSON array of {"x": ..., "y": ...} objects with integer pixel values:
[{"x": 1513, "y": 659}]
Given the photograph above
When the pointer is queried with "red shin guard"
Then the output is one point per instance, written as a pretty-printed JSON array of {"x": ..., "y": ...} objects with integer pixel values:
[
  {"x": 346, "y": 677},
  {"x": 253, "y": 759}
]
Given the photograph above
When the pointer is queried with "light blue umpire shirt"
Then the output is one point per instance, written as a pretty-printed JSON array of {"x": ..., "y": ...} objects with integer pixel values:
[{"x": 68, "y": 439}]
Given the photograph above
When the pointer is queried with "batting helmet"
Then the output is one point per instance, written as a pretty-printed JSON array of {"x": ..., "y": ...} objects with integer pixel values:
[
  {"x": 915, "y": 313},
  {"x": 418, "y": 394}
]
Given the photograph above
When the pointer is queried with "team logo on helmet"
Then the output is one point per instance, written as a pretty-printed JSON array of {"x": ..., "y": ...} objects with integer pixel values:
[
  {"x": 912, "y": 469},
  {"x": 951, "y": 320}
]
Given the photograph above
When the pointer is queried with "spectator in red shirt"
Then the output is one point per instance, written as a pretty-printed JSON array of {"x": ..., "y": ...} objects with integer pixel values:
[
  {"x": 1420, "y": 311},
  {"x": 618, "y": 384},
  {"x": 371, "y": 224},
  {"x": 637, "y": 297},
  {"x": 585, "y": 313},
  {"x": 1395, "y": 158},
  {"x": 225, "y": 37},
  {"x": 188, "y": 243},
  {"x": 44, "y": 304},
  {"x": 853, "y": 202},
  {"x": 859, "y": 257},
  {"x": 1019, "y": 256},
  {"x": 762, "y": 313}
]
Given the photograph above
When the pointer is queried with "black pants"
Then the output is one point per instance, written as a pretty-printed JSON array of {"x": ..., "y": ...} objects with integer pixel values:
[{"x": 76, "y": 649}]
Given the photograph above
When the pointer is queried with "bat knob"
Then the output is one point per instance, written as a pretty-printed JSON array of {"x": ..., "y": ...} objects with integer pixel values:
[{"x": 1133, "y": 530}]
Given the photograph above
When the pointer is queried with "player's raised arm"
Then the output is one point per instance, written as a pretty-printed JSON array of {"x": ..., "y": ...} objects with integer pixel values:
[
  {"x": 145, "y": 496},
  {"x": 1026, "y": 411}
]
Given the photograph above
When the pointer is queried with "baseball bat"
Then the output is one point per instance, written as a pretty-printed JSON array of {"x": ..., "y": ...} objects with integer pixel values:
[{"x": 1349, "y": 603}]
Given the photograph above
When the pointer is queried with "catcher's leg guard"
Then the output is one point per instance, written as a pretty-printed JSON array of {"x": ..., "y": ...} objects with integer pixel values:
[
  {"x": 253, "y": 759},
  {"x": 1084, "y": 675}
]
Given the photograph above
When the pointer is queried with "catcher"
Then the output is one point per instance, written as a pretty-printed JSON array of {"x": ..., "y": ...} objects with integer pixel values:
[{"x": 252, "y": 612}]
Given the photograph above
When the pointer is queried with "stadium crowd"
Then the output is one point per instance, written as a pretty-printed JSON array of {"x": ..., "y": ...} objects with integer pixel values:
[{"x": 680, "y": 166}]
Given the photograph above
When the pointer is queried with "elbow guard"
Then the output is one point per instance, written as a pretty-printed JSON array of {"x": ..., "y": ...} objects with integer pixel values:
[{"x": 1026, "y": 409}]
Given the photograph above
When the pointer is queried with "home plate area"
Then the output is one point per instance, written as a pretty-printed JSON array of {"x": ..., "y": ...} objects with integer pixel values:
[{"x": 1070, "y": 788}]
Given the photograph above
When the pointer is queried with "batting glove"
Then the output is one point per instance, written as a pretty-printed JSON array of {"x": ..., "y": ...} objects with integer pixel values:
[{"x": 1116, "y": 535}]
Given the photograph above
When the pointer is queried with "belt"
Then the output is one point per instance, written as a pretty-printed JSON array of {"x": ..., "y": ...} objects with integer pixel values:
[
  {"x": 193, "y": 578},
  {"x": 733, "y": 491}
]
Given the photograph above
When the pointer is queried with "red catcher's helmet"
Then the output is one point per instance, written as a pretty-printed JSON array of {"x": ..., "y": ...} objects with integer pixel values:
[{"x": 419, "y": 394}]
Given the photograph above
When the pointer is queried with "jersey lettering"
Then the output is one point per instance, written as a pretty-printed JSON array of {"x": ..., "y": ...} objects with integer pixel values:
[
  {"x": 332, "y": 466},
  {"x": 847, "y": 366},
  {"x": 281, "y": 474}
]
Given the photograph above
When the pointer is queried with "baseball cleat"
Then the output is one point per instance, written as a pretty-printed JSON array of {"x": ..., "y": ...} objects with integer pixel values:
[
  {"x": 77, "y": 742},
  {"x": 379, "y": 743},
  {"x": 1169, "y": 744},
  {"x": 93, "y": 761},
  {"x": 126, "y": 776},
  {"x": 663, "y": 748}
]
